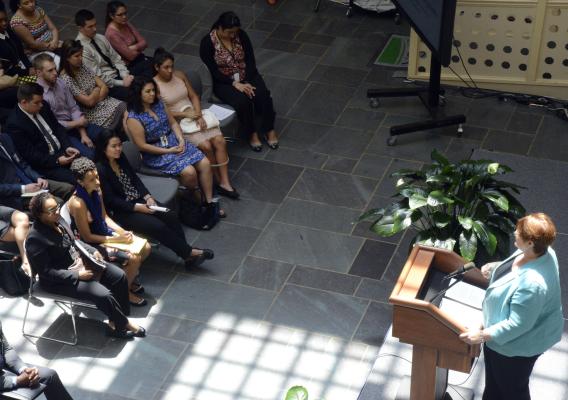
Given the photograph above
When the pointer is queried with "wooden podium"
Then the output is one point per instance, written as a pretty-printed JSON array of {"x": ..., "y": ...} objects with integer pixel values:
[{"x": 433, "y": 332}]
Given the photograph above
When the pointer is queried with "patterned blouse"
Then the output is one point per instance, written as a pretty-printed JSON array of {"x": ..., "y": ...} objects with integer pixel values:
[
  {"x": 105, "y": 112},
  {"x": 158, "y": 132},
  {"x": 129, "y": 189},
  {"x": 37, "y": 27},
  {"x": 229, "y": 62}
]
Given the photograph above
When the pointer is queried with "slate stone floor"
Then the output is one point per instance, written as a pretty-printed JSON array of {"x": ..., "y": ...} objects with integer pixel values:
[{"x": 297, "y": 294}]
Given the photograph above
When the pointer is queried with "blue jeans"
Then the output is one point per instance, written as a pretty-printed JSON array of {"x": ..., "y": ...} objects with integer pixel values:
[{"x": 93, "y": 131}]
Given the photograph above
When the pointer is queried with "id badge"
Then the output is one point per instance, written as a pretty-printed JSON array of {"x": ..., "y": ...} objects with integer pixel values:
[
  {"x": 236, "y": 77},
  {"x": 164, "y": 141}
]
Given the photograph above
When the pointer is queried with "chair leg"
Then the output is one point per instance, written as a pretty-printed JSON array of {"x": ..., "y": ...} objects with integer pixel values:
[{"x": 74, "y": 340}]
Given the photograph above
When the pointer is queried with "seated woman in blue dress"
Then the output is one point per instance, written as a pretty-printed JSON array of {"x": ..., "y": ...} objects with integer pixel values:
[{"x": 160, "y": 140}]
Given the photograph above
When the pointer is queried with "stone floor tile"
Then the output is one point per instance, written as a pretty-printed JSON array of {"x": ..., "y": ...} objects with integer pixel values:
[
  {"x": 334, "y": 188},
  {"x": 340, "y": 164},
  {"x": 375, "y": 324},
  {"x": 231, "y": 244},
  {"x": 317, "y": 311},
  {"x": 302, "y": 158},
  {"x": 302, "y": 135},
  {"x": 265, "y": 181},
  {"x": 324, "y": 280},
  {"x": 358, "y": 118},
  {"x": 510, "y": 142},
  {"x": 305, "y": 246},
  {"x": 372, "y": 166},
  {"x": 316, "y": 215},
  {"x": 372, "y": 259},
  {"x": 249, "y": 212},
  {"x": 262, "y": 273},
  {"x": 337, "y": 75},
  {"x": 312, "y": 107},
  {"x": 343, "y": 142},
  {"x": 200, "y": 299},
  {"x": 285, "y": 92}
]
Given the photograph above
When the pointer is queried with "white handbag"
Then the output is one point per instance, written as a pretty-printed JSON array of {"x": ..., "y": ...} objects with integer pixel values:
[{"x": 191, "y": 126}]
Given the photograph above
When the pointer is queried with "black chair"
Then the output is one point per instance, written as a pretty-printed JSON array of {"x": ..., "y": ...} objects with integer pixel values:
[{"x": 162, "y": 187}]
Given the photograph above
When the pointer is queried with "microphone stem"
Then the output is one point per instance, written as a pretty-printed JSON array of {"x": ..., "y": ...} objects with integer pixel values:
[{"x": 441, "y": 292}]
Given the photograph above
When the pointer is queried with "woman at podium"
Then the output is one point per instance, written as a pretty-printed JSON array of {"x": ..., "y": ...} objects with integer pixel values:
[{"x": 522, "y": 310}]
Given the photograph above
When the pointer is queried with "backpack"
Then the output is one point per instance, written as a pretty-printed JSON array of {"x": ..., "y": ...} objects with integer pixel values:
[{"x": 198, "y": 215}]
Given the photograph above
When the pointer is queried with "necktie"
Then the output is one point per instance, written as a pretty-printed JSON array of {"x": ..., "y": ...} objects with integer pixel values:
[
  {"x": 52, "y": 142},
  {"x": 105, "y": 57},
  {"x": 21, "y": 174}
]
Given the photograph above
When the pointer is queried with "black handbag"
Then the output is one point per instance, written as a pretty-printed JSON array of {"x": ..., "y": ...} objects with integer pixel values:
[
  {"x": 198, "y": 215},
  {"x": 13, "y": 279}
]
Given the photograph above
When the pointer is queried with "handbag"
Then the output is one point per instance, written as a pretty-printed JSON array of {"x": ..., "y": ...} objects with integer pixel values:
[
  {"x": 13, "y": 279},
  {"x": 198, "y": 215},
  {"x": 188, "y": 125}
]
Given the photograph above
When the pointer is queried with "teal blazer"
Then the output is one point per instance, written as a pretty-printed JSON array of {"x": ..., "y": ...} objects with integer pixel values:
[{"x": 522, "y": 310}]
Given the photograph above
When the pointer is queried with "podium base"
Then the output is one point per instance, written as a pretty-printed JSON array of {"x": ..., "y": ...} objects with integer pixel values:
[{"x": 452, "y": 393}]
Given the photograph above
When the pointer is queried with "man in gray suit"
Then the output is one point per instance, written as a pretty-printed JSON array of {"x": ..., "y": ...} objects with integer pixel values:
[{"x": 27, "y": 376}]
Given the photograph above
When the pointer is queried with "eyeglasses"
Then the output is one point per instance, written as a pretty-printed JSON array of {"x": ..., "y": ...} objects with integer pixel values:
[
  {"x": 53, "y": 210},
  {"x": 123, "y": 14}
]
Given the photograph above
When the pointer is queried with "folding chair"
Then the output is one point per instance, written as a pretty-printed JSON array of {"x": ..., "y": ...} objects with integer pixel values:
[{"x": 65, "y": 303}]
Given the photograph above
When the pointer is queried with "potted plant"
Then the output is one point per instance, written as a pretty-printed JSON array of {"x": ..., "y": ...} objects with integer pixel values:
[
  {"x": 460, "y": 206},
  {"x": 296, "y": 393}
]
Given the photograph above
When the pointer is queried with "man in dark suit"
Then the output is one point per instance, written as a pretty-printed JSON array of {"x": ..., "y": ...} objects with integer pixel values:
[
  {"x": 27, "y": 376},
  {"x": 38, "y": 137},
  {"x": 18, "y": 178}
]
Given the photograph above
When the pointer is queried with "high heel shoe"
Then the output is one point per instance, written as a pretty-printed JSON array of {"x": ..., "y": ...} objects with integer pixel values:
[
  {"x": 273, "y": 144},
  {"x": 257, "y": 148}
]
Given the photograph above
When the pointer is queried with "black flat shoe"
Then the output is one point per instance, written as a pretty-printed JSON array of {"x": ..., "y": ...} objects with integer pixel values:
[
  {"x": 141, "y": 332},
  {"x": 272, "y": 145},
  {"x": 140, "y": 303},
  {"x": 195, "y": 261},
  {"x": 123, "y": 334},
  {"x": 231, "y": 194},
  {"x": 257, "y": 148}
]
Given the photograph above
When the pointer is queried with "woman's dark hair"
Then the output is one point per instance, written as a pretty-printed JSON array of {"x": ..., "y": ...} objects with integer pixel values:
[
  {"x": 135, "y": 94},
  {"x": 37, "y": 202},
  {"x": 68, "y": 48},
  {"x": 227, "y": 20},
  {"x": 112, "y": 8},
  {"x": 161, "y": 55},
  {"x": 101, "y": 143},
  {"x": 81, "y": 166},
  {"x": 14, "y": 5}
]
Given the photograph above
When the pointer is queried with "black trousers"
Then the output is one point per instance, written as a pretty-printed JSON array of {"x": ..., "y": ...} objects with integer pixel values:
[
  {"x": 110, "y": 294},
  {"x": 142, "y": 66},
  {"x": 247, "y": 109},
  {"x": 507, "y": 378},
  {"x": 160, "y": 227},
  {"x": 54, "y": 389}
]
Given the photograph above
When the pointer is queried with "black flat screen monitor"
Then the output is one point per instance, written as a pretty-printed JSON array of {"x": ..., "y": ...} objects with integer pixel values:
[{"x": 433, "y": 20}]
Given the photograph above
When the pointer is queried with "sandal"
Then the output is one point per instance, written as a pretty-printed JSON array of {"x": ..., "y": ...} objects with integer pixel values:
[{"x": 231, "y": 194}]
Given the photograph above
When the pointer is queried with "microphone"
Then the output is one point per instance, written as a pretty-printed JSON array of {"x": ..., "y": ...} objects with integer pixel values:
[{"x": 461, "y": 271}]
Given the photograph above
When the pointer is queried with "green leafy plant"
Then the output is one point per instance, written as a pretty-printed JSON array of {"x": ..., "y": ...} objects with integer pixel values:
[
  {"x": 296, "y": 393},
  {"x": 460, "y": 204}
]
